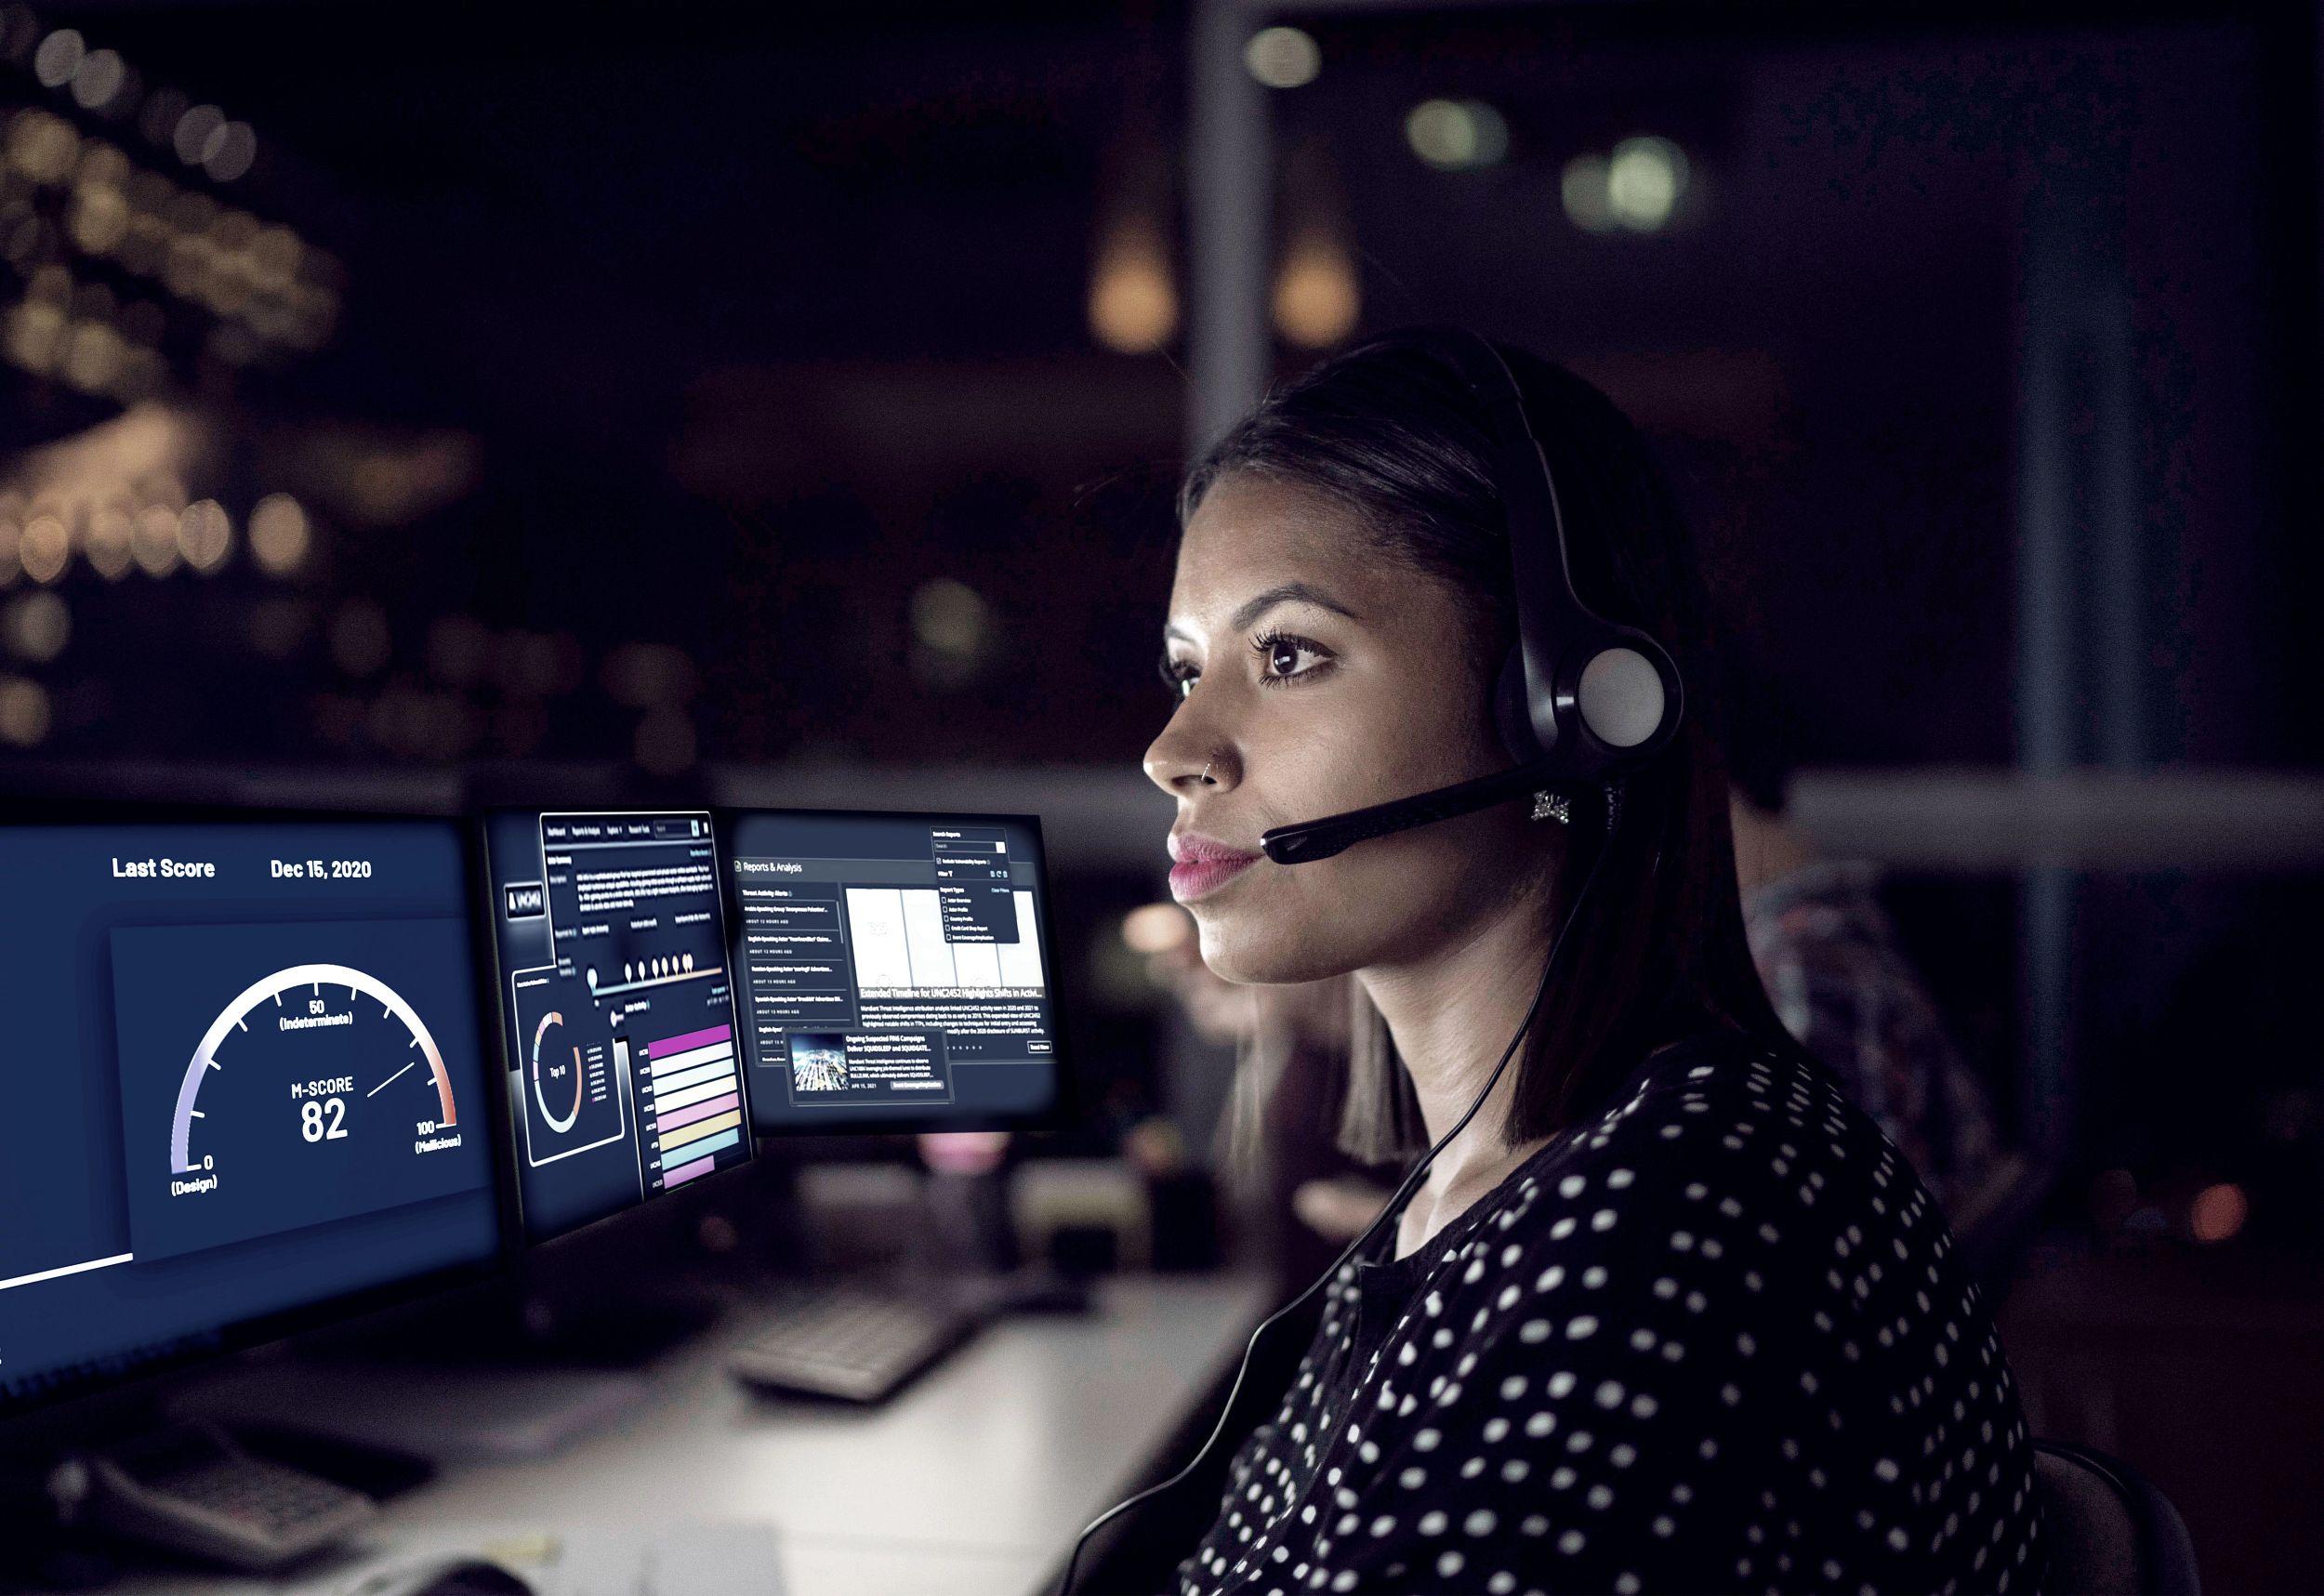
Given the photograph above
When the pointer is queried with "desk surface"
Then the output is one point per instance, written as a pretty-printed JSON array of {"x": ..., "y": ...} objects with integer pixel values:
[{"x": 974, "y": 1480}]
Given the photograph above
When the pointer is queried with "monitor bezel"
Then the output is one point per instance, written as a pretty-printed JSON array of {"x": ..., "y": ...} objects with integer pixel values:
[
  {"x": 260, "y": 1330},
  {"x": 1064, "y": 1103}
]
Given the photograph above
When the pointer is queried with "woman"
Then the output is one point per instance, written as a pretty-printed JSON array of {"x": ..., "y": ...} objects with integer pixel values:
[{"x": 1668, "y": 1314}]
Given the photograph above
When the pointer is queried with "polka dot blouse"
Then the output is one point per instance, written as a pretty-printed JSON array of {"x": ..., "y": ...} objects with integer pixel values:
[{"x": 1715, "y": 1339}]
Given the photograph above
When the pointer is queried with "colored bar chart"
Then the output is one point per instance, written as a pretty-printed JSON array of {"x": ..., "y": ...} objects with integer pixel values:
[{"x": 693, "y": 1097}]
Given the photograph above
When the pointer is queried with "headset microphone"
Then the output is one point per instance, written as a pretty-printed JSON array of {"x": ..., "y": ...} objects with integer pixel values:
[{"x": 1580, "y": 698}]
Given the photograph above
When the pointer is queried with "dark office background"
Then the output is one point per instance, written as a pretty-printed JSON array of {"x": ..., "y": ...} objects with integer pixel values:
[{"x": 790, "y": 399}]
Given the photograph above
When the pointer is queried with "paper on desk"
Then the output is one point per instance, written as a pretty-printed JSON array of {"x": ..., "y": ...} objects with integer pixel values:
[{"x": 594, "y": 1560}]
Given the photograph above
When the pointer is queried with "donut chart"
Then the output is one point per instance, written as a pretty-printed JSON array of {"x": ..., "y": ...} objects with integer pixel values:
[{"x": 553, "y": 1021}]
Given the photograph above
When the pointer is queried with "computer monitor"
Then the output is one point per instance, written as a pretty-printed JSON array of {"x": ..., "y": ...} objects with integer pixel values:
[
  {"x": 249, "y": 1086},
  {"x": 894, "y": 969},
  {"x": 616, "y": 1010}
]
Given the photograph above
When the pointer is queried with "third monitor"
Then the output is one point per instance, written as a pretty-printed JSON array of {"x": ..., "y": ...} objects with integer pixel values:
[{"x": 893, "y": 969}]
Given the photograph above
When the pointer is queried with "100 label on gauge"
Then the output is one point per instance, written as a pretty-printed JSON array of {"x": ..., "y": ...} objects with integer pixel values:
[{"x": 275, "y": 1076}]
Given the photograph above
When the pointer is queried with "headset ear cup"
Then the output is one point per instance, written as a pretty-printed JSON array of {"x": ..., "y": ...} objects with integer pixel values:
[{"x": 1510, "y": 715}]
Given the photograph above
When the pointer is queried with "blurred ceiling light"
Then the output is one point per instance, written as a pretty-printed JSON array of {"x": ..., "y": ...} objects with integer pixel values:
[
  {"x": 2218, "y": 1213},
  {"x": 33, "y": 331},
  {"x": 98, "y": 218},
  {"x": 1133, "y": 304},
  {"x": 60, "y": 55},
  {"x": 191, "y": 136},
  {"x": 11, "y": 551},
  {"x": 91, "y": 358},
  {"x": 1456, "y": 135},
  {"x": 45, "y": 550},
  {"x": 1583, "y": 190},
  {"x": 952, "y": 634},
  {"x": 950, "y": 617},
  {"x": 38, "y": 626},
  {"x": 360, "y": 640},
  {"x": 101, "y": 163},
  {"x": 1283, "y": 58},
  {"x": 1157, "y": 928},
  {"x": 24, "y": 713},
  {"x": 1316, "y": 301},
  {"x": 41, "y": 146},
  {"x": 228, "y": 153},
  {"x": 279, "y": 535},
  {"x": 111, "y": 529},
  {"x": 100, "y": 79},
  {"x": 1644, "y": 180},
  {"x": 205, "y": 536},
  {"x": 154, "y": 540}
]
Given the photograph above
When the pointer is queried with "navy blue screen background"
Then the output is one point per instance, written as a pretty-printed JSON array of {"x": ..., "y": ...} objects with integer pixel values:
[{"x": 91, "y": 1119}]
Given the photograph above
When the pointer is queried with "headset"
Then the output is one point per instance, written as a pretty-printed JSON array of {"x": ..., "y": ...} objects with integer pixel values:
[
  {"x": 1580, "y": 701},
  {"x": 1580, "y": 698}
]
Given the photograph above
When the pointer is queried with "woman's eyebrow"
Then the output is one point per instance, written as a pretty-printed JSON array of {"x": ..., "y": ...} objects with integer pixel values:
[{"x": 1259, "y": 604}]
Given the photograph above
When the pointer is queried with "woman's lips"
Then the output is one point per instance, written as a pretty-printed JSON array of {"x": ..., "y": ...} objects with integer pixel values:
[{"x": 1204, "y": 865}]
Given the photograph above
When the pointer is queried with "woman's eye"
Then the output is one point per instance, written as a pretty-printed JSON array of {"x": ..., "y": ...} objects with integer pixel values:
[
  {"x": 1179, "y": 677},
  {"x": 1285, "y": 657}
]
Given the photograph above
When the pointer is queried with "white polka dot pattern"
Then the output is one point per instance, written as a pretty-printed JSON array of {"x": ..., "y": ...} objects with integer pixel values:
[{"x": 1717, "y": 1340}]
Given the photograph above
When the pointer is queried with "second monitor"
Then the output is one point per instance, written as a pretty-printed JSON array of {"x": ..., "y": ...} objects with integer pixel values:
[{"x": 617, "y": 1009}]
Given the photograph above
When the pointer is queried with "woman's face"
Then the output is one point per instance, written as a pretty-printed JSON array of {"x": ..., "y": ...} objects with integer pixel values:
[{"x": 1319, "y": 676}]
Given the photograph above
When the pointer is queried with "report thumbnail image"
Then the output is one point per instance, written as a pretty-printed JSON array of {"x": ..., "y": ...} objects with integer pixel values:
[
  {"x": 818, "y": 1063},
  {"x": 855, "y": 1068}
]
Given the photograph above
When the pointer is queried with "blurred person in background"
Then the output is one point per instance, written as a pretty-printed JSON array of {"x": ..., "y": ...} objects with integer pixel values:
[
  {"x": 1305, "y": 1194},
  {"x": 1654, "y": 1264},
  {"x": 1838, "y": 973}
]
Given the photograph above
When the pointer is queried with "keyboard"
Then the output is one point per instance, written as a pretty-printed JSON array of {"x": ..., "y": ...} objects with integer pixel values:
[{"x": 848, "y": 1343}]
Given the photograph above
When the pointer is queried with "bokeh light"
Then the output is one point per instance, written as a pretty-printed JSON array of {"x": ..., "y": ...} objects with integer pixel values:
[
  {"x": 24, "y": 711},
  {"x": 37, "y": 626},
  {"x": 1643, "y": 179},
  {"x": 279, "y": 535},
  {"x": 2218, "y": 1213},
  {"x": 106, "y": 545},
  {"x": 191, "y": 136},
  {"x": 1157, "y": 928},
  {"x": 60, "y": 55},
  {"x": 1133, "y": 303},
  {"x": 45, "y": 550},
  {"x": 1583, "y": 191},
  {"x": 1454, "y": 135},
  {"x": 205, "y": 536},
  {"x": 154, "y": 540},
  {"x": 1316, "y": 301},
  {"x": 1283, "y": 57}
]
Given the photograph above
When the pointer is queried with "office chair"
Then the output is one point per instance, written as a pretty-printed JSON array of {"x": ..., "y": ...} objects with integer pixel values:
[{"x": 2111, "y": 1533}]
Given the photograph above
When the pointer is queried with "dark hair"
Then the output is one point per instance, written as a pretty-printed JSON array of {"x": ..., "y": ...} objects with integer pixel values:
[{"x": 1396, "y": 436}]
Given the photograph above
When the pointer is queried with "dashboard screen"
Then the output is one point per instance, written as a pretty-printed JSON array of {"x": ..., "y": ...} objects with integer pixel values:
[
  {"x": 247, "y": 1068},
  {"x": 894, "y": 968},
  {"x": 625, "y": 1081}
]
